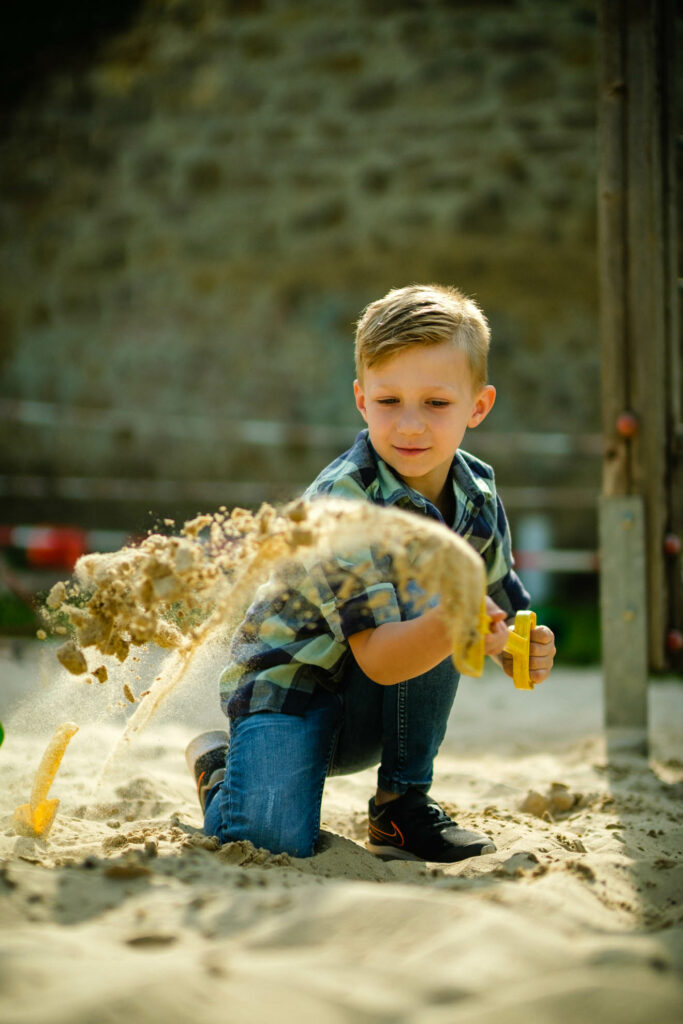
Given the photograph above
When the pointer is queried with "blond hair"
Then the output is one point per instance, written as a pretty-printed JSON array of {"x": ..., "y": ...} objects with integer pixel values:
[{"x": 423, "y": 315}]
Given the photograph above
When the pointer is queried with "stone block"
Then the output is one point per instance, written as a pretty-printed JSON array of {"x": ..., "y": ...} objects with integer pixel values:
[
  {"x": 260, "y": 45},
  {"x": 376, "y": 180},
  {"x": 415, "y": 216},
  {"x": 151, "y": 168},
  {"x": 40, "y": 315},
  {"x": 243, "y": 8},
  {"x": 47, "y": 245},
  {"x": 8, "y": 334},
  {"x": 583, "y": 118},
  {"x": 203, "y": 177},
  {"x": 189, "y": 14},
  {"x": 78, "y": 304},
  {"x": 243, "y": 97},
  {"x": 528, "y": 79},
  {"x": 112, "y": 257},
  {"x": 387, "y": 7},
  {"x": 328, "y": 213},
  {"x": 371, "y": 97},
  {"x": 302, "y": 100},
  {"x": 344, "y": 63},
  {"x": 484, "y": 215},
  {"x": 450, "y": 181},
  {"x": 513, "y": 165},
  {"x": 518, "y": 41}
]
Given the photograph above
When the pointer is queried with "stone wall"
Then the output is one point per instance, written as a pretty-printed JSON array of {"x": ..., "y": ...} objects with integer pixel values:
[{"x": 193, "y": 219}]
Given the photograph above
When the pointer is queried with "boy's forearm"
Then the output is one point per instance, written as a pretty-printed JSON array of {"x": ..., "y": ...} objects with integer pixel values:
[{"x": 398, "y": 651}]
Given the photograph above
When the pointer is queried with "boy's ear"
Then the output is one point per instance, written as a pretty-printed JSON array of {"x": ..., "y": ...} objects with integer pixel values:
[
  {"x": 359, "y": 395},
  {"x": 483, "y": 404}
]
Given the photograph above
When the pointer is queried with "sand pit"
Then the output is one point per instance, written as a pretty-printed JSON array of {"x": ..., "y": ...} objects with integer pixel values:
[{"x": 125, "y": 912}]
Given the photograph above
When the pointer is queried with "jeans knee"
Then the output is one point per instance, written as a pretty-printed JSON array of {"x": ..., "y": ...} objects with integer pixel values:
[
  {"x": 265, "y": 823},
  {"x": 294, "y": 841},
  {"x": 275, "y": 837}
]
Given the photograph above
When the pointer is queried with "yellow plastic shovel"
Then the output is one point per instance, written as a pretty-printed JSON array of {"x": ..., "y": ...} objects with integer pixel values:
[
  {"x": 472, "y": 664},
  {"x": 36, "y": 817},
  {"x": 518, "y": 644}
]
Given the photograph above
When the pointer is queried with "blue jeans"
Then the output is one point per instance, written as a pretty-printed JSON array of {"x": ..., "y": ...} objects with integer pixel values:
[{"x": 277, "y": 764}]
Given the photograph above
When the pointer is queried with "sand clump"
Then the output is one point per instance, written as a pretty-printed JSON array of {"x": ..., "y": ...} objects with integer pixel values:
[
  {"x": 177, "y": 591},
  {"x": 557, "y": 801},
  {"x": 72, "y": 658}
]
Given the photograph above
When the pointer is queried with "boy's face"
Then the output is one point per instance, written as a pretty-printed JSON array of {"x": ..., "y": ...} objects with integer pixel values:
[{"x": 417, "y": 406}]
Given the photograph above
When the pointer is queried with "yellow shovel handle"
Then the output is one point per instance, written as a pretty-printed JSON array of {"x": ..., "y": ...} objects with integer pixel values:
[
  {"x": 518, "y": 646},
  {"x": 50, "y": 762},
  {"x": 473, "y": 663}
]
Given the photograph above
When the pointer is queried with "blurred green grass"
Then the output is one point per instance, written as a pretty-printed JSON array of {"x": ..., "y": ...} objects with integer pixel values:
[
  {"x": 16, "y": 617},
  {"x": 576, "y": 625}
]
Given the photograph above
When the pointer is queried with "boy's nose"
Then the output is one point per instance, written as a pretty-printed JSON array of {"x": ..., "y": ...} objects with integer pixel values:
[{"x": 410, "y": 422}]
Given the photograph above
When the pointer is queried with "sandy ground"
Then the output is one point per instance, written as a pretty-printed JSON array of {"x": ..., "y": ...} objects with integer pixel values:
[{"x": 125, "y": 912}]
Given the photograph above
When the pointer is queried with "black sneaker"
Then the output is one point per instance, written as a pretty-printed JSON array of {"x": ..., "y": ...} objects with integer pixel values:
[
  {"x": 205, "y": 757},
  {"x": 414, "y": 827}
]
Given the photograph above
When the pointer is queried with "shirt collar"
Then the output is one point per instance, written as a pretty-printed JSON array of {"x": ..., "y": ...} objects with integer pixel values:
[
  {"x": 475, "y": 487},
  {"x": 393, "y": 491}
]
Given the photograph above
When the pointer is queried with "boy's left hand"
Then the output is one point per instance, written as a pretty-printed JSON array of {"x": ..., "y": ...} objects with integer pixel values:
[
  {"x": 497, "y": 636},
  {"x": 541, "y": 654}
]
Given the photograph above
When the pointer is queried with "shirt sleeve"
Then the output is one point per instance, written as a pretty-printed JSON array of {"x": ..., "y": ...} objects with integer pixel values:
[
  {"x": 503, "y": 584},
  {"x": 355, "y": 593}
]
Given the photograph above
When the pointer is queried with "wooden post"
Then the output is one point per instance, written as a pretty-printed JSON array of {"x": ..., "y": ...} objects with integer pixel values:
[
  {"x": 638, "y": 325},
  {"x": 624, "y": 618}
]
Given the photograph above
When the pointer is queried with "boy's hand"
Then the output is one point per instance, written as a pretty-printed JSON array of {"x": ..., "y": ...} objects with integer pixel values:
[
  {"x": 497, "y": 636},
  {"x": 541, "y": 654}
]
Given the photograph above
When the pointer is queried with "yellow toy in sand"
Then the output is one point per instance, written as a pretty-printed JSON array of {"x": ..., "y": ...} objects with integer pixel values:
[
  {"x": 35, "y": 818},
  {"x": 517, "y": 645}
]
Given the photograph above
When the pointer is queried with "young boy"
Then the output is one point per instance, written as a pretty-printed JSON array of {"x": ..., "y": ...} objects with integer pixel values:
[{"x": 324, "y": 683}]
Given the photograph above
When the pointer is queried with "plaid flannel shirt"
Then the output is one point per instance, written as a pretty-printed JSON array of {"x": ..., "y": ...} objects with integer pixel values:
[{"x": 295, "y": 634}]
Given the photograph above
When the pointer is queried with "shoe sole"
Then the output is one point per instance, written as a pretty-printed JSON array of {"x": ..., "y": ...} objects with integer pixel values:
[
  {"x": 391, "y": 852},
  {"x": 396, "y": 853}
]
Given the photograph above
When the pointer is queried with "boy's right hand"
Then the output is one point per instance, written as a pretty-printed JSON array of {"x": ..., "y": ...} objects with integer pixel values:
[{"x": 497, "y": 636}]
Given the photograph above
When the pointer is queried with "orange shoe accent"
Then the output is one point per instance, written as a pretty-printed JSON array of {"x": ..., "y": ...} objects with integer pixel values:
[
  {"x": 391, "y": 837},
  {"x": 199, "y": 782}
]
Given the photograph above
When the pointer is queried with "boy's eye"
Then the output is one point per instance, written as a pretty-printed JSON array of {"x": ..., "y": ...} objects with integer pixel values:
[
  {"x": 438, "y": 403},
  {"x": 387, "y": 401}
]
